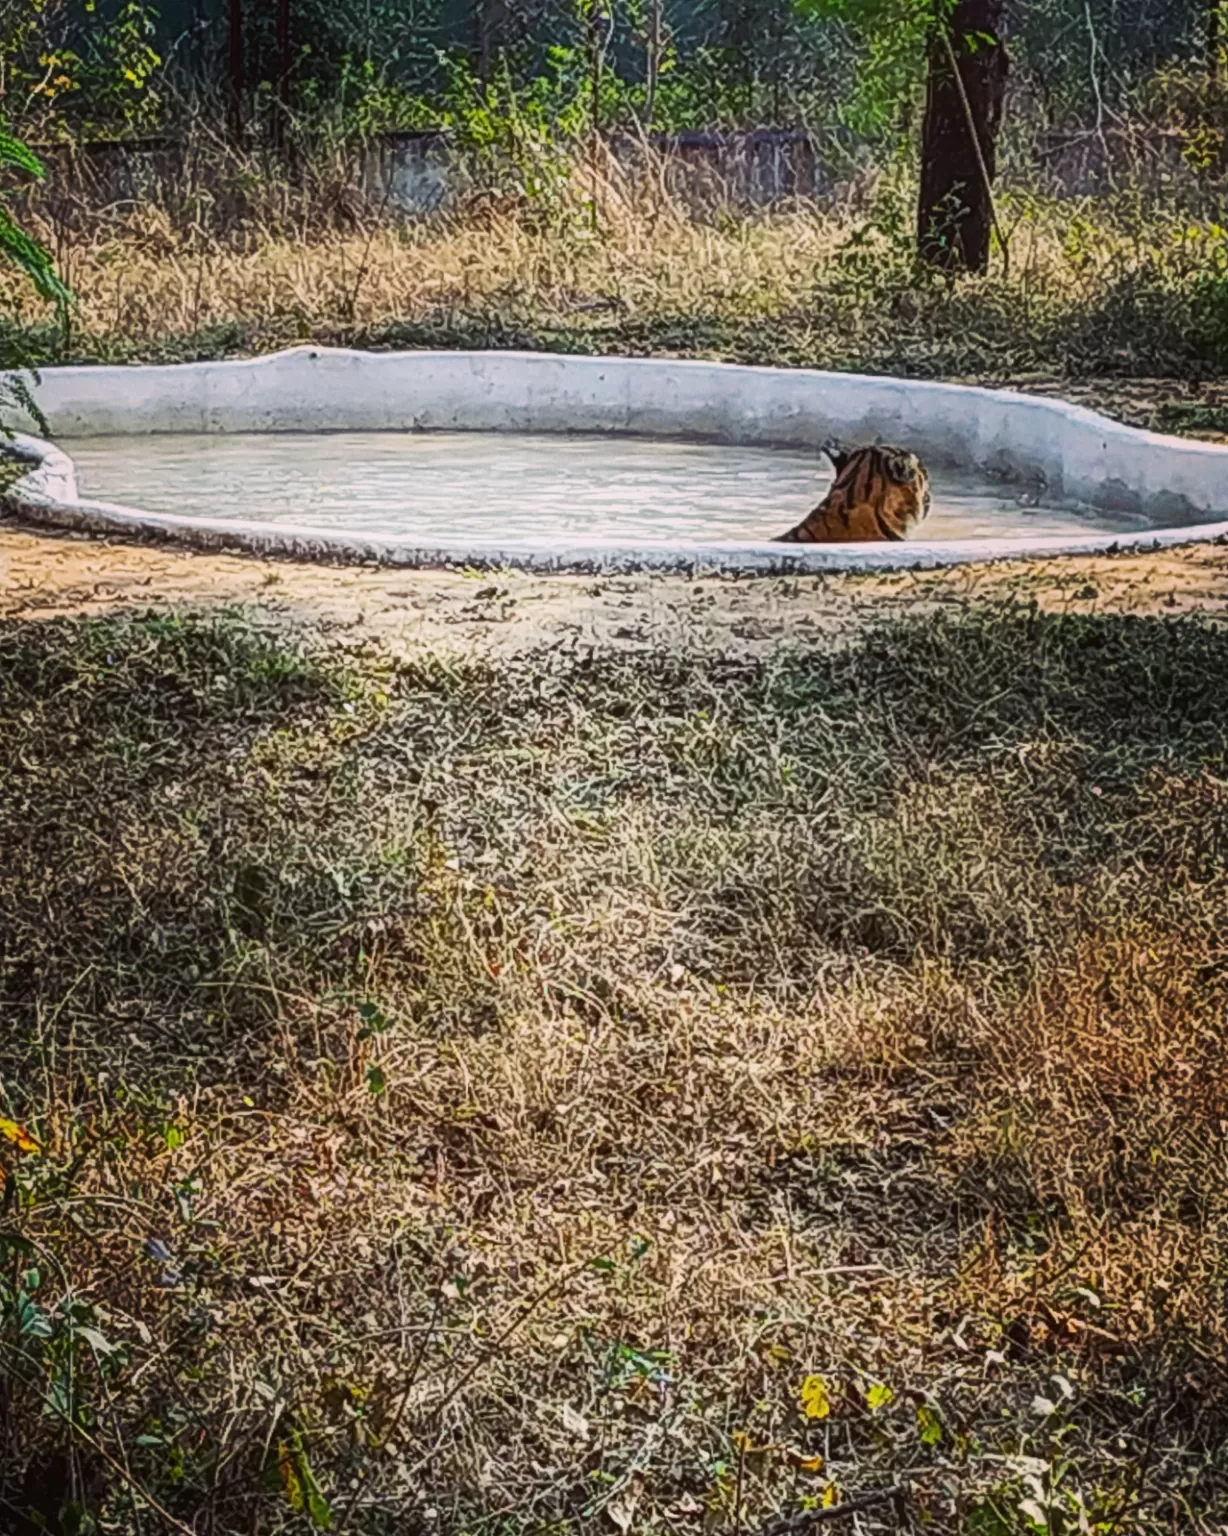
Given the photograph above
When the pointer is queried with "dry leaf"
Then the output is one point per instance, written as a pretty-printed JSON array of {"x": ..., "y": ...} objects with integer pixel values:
[
  {"x": 289, "y": 1476},
  {"x": 575, "y": 1423},
  {"x": 621, "y": 1508},
  {"x": 744, "y": 1444},
  {"x": 18, "y": 1135}
]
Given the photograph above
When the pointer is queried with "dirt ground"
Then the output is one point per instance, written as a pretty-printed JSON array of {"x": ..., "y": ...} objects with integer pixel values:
[{"x": 45, "y": 575}]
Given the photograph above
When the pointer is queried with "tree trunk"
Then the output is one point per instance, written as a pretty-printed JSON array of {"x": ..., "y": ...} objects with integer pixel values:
[
  {"x": 655, "y": 38},
  {"x": 491, "y": 16},
  {"x": 955, "y": 216},
  {"x": 285, "y": 63},
  {"x": 234, "y": 71}
]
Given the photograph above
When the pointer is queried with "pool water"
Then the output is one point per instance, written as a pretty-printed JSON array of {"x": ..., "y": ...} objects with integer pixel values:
[{"x": 502, "y": 486}]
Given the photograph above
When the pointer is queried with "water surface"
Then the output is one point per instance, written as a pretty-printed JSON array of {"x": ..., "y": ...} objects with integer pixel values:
[{"x": 441, "y": 486}]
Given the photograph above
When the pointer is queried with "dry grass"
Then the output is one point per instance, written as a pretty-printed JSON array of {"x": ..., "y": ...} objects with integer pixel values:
[
  {"x": 534, "y": 1072},
  {"x": 1107, "y": 288},
  {"x": 478, "y": 1097},
  {"x": 144, "y": 282}
]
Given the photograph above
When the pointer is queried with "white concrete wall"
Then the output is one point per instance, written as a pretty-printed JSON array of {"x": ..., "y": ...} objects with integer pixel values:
[{"x": 1078, "y": 456}]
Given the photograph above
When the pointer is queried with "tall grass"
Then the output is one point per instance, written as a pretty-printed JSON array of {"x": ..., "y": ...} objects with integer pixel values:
[{"x": 242, "y": 259}]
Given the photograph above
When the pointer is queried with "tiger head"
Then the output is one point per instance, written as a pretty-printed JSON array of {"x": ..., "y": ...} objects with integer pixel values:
[{"x": 879, "y": 493}]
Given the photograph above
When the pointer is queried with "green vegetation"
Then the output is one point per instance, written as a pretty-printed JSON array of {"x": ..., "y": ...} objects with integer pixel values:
[
  {"x": 261, "y": 231},
  {"x": 107, "y": 66},
  {"x": 33, "y": 264},
  {"x": 589, "y": 1091}
]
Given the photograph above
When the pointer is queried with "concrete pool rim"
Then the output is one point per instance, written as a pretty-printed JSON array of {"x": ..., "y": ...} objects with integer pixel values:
[{"x": 1076, "y": 456}]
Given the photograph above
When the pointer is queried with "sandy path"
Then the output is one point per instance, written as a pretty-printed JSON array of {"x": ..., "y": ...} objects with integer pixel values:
[{"x": 45, "y": 575}]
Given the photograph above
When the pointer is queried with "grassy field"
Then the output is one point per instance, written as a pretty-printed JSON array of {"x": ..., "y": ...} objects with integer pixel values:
[{"x": 627, "y": 1092}]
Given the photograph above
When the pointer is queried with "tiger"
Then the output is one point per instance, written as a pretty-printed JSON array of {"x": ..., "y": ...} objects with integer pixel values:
[{"x": 878, "y": 493}]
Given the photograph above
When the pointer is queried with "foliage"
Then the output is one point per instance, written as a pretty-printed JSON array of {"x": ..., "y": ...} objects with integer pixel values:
[
  {"x": 522, "y": 140},
  {"x": 87, "y": 66},
  {"x": 119, "y": 72},
  {"x": 16, "y": 245},
  {"x": 34, "y": 262},
  {"x": 730, "y": 61},
  {"x": 361, "y": 66},
  {"x": 893, "y": 36}
]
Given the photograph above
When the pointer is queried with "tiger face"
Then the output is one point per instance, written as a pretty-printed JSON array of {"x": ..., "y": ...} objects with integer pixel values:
[{"x": 878, "y": 493}]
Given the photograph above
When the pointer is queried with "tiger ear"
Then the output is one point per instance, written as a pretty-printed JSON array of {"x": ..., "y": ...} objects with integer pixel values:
[
  {"x": 838, "y": 455},
  {"x": 902, "y": 468}
]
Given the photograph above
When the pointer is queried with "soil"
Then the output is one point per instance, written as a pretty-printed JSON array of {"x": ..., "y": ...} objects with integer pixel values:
[{"x": 47, "y": 575}]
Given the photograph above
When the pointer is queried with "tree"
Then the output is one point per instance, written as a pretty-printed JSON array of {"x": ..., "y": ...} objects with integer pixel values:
[
  {"x": 234, "y": 70},
  {"x": 285, "y": 63},
  {"x": 959, "y": 133},
  {"x": 959, "y": 46}
]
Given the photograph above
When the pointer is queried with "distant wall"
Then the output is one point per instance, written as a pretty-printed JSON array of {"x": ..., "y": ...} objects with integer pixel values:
[{"x": 416, "y": 172}]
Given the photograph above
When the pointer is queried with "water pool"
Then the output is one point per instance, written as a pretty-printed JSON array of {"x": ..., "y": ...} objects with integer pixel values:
[{"x": 513, "y": 487}]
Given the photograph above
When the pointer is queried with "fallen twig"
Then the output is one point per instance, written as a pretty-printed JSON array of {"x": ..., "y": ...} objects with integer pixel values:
[{"x": 805, "y": 1518}]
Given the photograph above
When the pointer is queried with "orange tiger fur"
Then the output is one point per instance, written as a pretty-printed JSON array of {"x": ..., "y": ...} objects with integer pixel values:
[{"x": 878, "y": 493}]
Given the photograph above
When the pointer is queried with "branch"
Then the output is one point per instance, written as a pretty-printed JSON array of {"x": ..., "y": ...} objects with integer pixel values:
[{"x": 808, "y": 1517}]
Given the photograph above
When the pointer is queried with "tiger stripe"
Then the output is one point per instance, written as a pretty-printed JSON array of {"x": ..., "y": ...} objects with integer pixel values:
[{"x": 879, "y": 494}]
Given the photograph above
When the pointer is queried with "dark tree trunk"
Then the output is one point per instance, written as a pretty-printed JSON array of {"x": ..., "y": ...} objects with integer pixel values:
[
  {"x": 285, "y": 62},
  {"x": 492, "y": 15},
  {"x": 955, "y": 216},
  {"x": 234, "y": 70},
  {"x": 655, "y": 38}
]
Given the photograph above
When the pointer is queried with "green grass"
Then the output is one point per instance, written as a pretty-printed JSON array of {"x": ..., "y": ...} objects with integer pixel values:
[{"x": 533, "y": 1072}]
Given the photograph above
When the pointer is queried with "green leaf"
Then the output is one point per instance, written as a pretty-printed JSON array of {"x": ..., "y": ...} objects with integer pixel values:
[
  {"x": 879, "y": 1396},
  {"x": 32, "y": 1321},
  {"x": 76, "y": 1520},
  {"x": 14, "y": 391},
  {"x": 299, "y": 1483},
  {"x": 377, "y": 1083},
  {"x": 98, "y": 1342},
  {"x": 25, "y": 253},
  {"x": 319, "y": 1510},
  {"x": 13, "y": 152},
  {"x": 374, "y": 1021},
  {"x": 929, "y": 1425}
]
